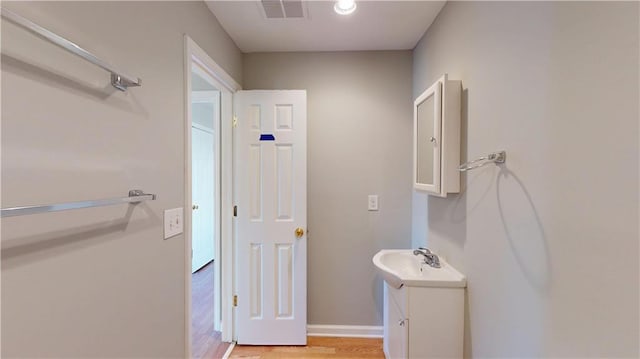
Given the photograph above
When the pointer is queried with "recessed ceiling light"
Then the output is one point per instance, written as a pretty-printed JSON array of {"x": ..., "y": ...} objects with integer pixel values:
[{"x": 344, "y": 7}]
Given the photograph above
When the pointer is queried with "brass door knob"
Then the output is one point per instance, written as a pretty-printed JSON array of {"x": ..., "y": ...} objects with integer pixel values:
[
  {"x": 194, "y": 207},
  {"x": 299, "y": 232}
]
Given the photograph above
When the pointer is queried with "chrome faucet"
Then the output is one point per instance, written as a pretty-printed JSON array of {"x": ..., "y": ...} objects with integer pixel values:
[{"x": 429, "y": 258}]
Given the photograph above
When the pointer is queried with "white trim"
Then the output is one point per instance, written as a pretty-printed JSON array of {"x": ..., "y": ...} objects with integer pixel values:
[
  {"x": 203, "y": 128},
  {"x": 202, "y": 58},
  {"x": 227, "y": 86},
  {"x": 227, "y": 354},
  {"x": 345, "y": 331},
  {"x": 187, "y": 198},
  {"x": 205, "y": 97}
]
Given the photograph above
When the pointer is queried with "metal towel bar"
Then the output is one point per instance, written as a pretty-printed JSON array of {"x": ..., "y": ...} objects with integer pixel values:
[
  {"x": 135, "y": 196},
  {"x": 495, "y": 157},
  {"x": 119, "y": 79}
]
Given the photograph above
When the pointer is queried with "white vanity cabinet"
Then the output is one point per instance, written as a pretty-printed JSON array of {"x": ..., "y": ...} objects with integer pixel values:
[
  {"x": 436, "y": 138},
  {"x": 423, "y": 322}
]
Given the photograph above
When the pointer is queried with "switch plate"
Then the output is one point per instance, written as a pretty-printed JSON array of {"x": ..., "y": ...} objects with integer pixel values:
[
  {"x": 373, "y": 202},
  {"x": 173, "y": 219}
]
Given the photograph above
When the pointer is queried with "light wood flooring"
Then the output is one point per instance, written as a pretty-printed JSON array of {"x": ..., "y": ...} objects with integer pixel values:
[
  {"x": 205, "y": 342},
  {"x": 317, "y": 347}
]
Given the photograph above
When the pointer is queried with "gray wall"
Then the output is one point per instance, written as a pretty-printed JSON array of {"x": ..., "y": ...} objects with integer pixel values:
[
  {"x": 550, "y": 241},
  {"x": 97, "y": 282},
  {"x": 359, "y": 143}
]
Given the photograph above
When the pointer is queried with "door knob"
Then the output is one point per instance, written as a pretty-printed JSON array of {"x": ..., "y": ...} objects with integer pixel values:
[
  {"x": 194, "y": 207},
  {"x": 299, "y": 232}
]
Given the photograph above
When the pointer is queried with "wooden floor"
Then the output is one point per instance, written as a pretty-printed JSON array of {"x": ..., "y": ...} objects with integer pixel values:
[
  {"x": 205, "y": 342},
  {"x": 317, "y": 347}
]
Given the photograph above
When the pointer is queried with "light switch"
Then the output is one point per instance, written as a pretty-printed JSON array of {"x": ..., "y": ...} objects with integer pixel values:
[
  {"x": 373, "y": 202},
  {"x": 173, "y": 225}
]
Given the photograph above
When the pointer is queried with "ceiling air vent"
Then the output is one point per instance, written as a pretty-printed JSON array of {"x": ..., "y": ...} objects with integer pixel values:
[{"x": 283, "y": 9}]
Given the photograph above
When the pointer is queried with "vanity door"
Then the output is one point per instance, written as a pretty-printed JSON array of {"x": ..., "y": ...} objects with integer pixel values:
[{"x": 396, "y": 324}]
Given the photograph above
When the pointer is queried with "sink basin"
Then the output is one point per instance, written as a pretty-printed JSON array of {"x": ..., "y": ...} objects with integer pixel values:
[{"x": 400, "y": 267}]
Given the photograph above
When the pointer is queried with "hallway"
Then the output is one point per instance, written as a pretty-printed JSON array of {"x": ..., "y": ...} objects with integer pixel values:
[{"x": 205, "y": 341}]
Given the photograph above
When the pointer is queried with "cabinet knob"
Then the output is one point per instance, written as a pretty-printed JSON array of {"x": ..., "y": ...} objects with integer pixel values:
[
  {"x": 194, "y": 207},
  {"x": 401, "y": 322},
  {"x": 432, "y": 139}
]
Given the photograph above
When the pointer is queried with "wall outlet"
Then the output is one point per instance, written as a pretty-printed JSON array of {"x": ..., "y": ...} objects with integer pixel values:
[
  {"x": 173, "y": 225},
  {"x": 373, "y": 202}
]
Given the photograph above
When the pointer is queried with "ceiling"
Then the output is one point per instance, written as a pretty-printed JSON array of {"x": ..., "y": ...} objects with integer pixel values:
[{"x": 375, "y": 25}]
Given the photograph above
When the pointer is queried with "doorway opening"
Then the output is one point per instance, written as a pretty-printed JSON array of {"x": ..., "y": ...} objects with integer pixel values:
[
  {"x": 206, "y": 338},
  {"x": 208, "y": 199}
]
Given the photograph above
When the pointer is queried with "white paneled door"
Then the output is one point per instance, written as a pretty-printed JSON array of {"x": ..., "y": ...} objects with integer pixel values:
[{"x": 271, "y": 173}]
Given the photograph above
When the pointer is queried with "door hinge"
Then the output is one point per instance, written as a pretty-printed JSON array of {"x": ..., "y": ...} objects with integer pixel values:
[
  {"x": 235, "y": 211},
  {"x": 235, "y": 300},
  {"x": 234, "y": 122}
]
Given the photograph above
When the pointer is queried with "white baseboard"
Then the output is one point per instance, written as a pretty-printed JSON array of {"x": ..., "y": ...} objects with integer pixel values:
[
  {"x": 348, "y": 331},
  {"x": 229, "y": 350}
]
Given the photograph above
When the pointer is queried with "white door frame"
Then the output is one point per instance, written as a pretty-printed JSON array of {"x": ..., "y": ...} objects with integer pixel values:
[{"x": 194, "y": 55}]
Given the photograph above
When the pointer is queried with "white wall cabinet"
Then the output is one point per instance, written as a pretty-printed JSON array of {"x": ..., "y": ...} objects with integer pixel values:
[
  {"x": 423, "y": 322},
  {"x": 436, "y": 138}
]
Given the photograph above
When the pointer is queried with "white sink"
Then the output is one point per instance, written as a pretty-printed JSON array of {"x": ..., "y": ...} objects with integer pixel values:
[{"x": 401, "y": 267}]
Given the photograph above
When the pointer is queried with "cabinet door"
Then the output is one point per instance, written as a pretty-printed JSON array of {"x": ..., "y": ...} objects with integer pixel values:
[
  {"x": 427, "y": 123},
  {"x": 398, "y": 332}
]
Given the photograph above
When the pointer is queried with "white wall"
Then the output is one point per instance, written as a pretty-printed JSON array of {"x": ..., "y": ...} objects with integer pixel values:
[
  {"x": 550, "y": 241},
  {"x": 359, "y": 143},
  {"x": 97, "y": 282}
]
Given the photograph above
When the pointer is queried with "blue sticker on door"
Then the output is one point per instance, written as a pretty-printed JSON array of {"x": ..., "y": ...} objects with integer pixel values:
[{"x": 267, "y": 137}]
